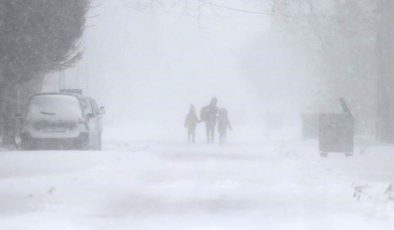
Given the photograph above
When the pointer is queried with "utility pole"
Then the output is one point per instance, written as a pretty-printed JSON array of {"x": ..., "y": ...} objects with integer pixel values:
[{"x": 385, "y": 71}]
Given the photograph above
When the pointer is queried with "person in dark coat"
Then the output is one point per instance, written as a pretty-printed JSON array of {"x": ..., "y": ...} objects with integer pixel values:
[
  {"x": 223, "y": 125},
  {"x": 191, "y": 122},
  {"x": 209, "y": 115}
]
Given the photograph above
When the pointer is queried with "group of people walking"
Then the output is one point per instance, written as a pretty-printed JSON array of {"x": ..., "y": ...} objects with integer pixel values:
[{"x": 213, "y": 117}]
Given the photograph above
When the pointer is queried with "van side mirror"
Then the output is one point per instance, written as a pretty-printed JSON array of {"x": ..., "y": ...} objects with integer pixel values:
[{"x": 102, "y": 110}]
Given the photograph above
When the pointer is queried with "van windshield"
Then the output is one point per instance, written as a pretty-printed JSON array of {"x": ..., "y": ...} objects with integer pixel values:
[{"x": 54, "y": 107}]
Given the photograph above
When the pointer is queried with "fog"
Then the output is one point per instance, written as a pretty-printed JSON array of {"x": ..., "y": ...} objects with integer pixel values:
[
  {"x": 303, "y": 126},
  {"x": 148, "y": 65}
]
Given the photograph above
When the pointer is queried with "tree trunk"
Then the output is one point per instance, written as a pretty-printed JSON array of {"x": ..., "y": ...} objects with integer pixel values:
[
  {"x": 13, "y": 100},
  {"x": 8, "y": 110}
]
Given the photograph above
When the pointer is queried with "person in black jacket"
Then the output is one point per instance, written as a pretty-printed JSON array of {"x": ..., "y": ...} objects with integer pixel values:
[{"x": 209, "y": 115}]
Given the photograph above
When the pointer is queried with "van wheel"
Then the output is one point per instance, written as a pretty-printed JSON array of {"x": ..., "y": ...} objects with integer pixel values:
[
  {"x": 25, "y": 147},
  {"x": 349, "y": 154},
  {"x": 83, "y": 146},
  {"x": 323, "y": 154}
]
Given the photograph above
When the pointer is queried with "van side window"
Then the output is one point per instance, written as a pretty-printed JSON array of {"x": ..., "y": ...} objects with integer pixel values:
[{"x": 87, "y": 106}]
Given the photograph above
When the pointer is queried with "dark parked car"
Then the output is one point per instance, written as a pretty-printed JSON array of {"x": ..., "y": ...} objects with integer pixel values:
[{"x": 61, "y": 120}]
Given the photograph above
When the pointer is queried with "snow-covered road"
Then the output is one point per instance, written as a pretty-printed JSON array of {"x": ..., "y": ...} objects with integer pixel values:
[{"x": 276, "y": 185}]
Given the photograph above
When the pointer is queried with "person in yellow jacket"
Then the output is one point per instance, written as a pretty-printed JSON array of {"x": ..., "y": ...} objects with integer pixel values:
[{"x": 191, "y": 122}]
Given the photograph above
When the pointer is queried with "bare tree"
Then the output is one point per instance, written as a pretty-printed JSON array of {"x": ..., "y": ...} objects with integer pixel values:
[
  {"x": 342, "y": 34},
  {"x": 36, "y": 37}
]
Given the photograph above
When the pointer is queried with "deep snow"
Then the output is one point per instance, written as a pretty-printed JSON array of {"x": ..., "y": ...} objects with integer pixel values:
[{"x": 276, "y": 184}]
